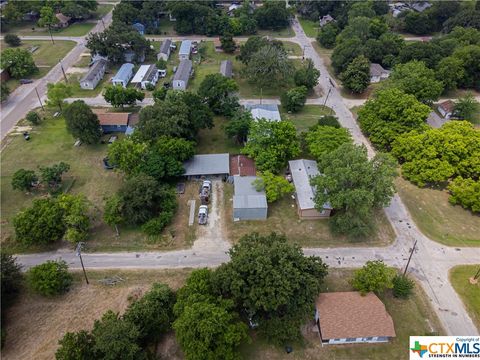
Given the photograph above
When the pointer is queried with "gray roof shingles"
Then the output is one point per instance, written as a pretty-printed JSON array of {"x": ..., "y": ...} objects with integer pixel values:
[
  {"x": 207, "y": 164},
  {"x": 94, "y": 70},
  {"x": 183, "y": 71}
]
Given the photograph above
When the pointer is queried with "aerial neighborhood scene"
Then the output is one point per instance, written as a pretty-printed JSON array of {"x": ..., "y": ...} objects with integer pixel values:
[{"x": 256, "y": 179}]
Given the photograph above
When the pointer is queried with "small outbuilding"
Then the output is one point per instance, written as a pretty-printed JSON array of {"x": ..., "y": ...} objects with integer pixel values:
[
  {"x": 182, "y": 75},
  {"x": 146, "y": 75},
  {"x": 445, "y": 108},
  {"x": 324, "y": 20},
  {"x": 185, "y": 49},
  {"x": 303, "y": 171},
  {"x": 112, "y": 121},
  {"x": 94, "y": 75},
  {"x": 63, "y": 21},
  {"x": 207, "y": 166},
  {"x": 349, "y": 317},
  {"x": 226, "y": 68},
  {"x": 264, "y": 111},
  {"x": 378, "y": 73},
  {"x": 248, "y": 203},
  {"x": 123, "y": 75},
  {"x": 139, "y": 27},
  {"x": 165, "y": 50}
]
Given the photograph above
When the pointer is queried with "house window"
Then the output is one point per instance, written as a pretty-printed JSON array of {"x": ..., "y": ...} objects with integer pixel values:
[
  {"x": 351, "y": 339},
  {"x": 382, "y": 338},
  {"x": 368, "y": 338}
]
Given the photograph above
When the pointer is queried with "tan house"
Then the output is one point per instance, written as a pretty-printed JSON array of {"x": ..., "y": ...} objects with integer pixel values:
[
  {"x": 349, "y": 317},
  {"x": 302, "y": 172},
  {"x": 63, "y": 21}
]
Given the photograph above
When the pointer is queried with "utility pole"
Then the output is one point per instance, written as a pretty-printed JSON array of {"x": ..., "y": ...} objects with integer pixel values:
[
  {"x": 326, "y": 98},
  {"x": 79, "y": 254},
  {"x": 39, "y": 100},
  {"x": 50, "y": 31},
  {"x": 410, "y": 257},
  {"x": 261, "y": 95},
  {"x": 477, "y": 275},
  {"x": 63, "y": 71},
  {"x": 103, "y": 23}
]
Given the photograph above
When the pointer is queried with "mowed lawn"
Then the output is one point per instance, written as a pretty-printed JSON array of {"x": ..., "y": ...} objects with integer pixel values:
[
  {"x": 283, "y": 218},
  {"x": 50, "y": 143},
  {"x": 307, "y": 117},
  {"x": 310, "y": 27},
  {"x": 410, "y": 317},
  {"x": 46, "y": 56},
  {"x": 214, "y": 140},
  {"x": 470, "y": 293},
  {"x": 437, "y": 218}
]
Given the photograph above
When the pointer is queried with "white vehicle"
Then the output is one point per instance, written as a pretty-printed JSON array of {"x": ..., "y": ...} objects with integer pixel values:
[
  {"x": 162, "y": 73},
  {"x": 202, "y": 214}
]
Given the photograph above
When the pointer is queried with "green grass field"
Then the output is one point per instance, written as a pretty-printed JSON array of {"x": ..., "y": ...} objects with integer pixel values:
[
  {"x": 307, "y": 117},
  {"x": 210, "y": 141},
  {"x": 414, "y": 316},
  {"x": 310, "y": 27},
  {"x": 470, "y": 293},
  {"x": 45, "y": 57},
  {"x": 437, "y": 218},
  {"x": 285, "y": 32}
]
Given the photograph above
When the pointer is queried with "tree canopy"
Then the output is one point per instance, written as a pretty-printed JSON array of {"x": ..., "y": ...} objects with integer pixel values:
[
  {"x": 24, "y": 180},
  {"x": 218, "y": 91},
  {"x": 272, "y": 15},
  {"x": 118, "y": 96},
  {"x": 356, "y": 77},
  {"x": 82, "y": 123},
  {"x": 294, "y": 99},
  {"x": 322, "y": 140},
  {"x": 57, "y": 93},
  {"x": 18, "y": 62},
  {"x": 374, "y": 276},
  {"x": 275, "y": 186},
  {"x": 355, "y": 187},
  {"x": 50, "y": 278},
  {"x": 307, "y": 75}
]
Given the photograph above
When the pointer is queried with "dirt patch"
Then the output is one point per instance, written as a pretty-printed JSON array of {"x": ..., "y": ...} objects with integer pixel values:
[{"x": 35, "y": 324}]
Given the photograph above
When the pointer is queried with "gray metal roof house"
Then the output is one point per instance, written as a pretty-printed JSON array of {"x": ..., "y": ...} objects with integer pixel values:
[
  {"x": 181, "y": 77},
  {"x": 248, "y": 203},
  {"x": 264, "y": 111},
  {"x": 185, "y": 48},
  {"x": 207, "y": 165},
  {"x": 123, "y": 75},
  {"x": 302, "y": 172},
  {"x": 94, "y": 75},
  {"x": 226, "y": 68},
  {"x": 165, "y": 49}
]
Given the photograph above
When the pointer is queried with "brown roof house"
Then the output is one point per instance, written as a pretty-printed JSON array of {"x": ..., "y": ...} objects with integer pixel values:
[
  {"x": 349, "y": 317},
  {"x": 445, "y": 108},
  {"x": 63, "y": 21},
  {"x": 112, "y": 121}
]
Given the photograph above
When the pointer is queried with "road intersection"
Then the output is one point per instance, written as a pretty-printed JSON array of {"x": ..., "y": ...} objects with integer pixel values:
[{"x": 430, "y": 264}]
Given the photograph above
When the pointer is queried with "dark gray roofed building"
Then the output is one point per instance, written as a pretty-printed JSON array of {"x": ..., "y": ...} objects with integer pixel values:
[
  {"x": 181, "y": 77},
  {"x": 207, "y": 165},
  {"x": 165, "y": 49},
  {"x": 94, "y": 75},
  {"x": 226, "y": 68},
  {"x": 248, "y": 203}
]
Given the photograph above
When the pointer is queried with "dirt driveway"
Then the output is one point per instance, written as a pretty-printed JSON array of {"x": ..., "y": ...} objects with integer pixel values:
[{"x": 212, "y": 237}]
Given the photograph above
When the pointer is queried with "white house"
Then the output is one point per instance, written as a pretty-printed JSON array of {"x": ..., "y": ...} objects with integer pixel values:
[
  {"x": 264, "y": 111},
  {"x": 165, "y": 50},
  {"x": 181, "y": 77},
  {"x": 123, "y": 75},
  {"x": 378, "y": 73},
  {"x": 349, "y": 317},
  {"x": 94, "y": 75},
  {"x": 146, "y": 74},
  {"x": 185, "y": 48},
  {"x": 324, "y": 20}
]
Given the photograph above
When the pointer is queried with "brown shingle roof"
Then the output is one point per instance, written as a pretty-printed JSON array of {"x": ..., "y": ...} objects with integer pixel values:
[
  {"x": 111, "y": 118},
  {"x": 351, "y": 315},
  {"x": 242, "y": 165},
  {"x": 447, "y": 105},
  {"x": 62, "y": 18}
]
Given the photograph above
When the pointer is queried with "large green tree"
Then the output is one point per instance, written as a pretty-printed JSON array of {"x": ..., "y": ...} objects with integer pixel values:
[
  {"x": 57, "y": 93},
  {"x": 272, "y": 15},
  {"x": 76, "y": 346},
  {"x": 272, "y": 144},
  {"x": 355, "y": 187},
  {"x": 374, "y": 276},
  {"x": 50, "y": 278},
  {"x": 416, "y": 79},
  {"x": 273, "y": 283},
  {"x": 24, "y": 180},
  {"x": 322, "y": 140},
  {"x": 467, "y": 108},
  {"x": 118, "y": 96},
  {"x": 239, "y": 127},
  {"x": 391, "y": 113},
  {"x": 18, "y": 62},
  {"x": 356, "y": 77},
  {"x": 294, "y": 99},
  {"x": 82, "y": 123},
  {"x": 307, "y": 75},
  {"x": 465, "y": 192},
  {"x": 218, "y": 91},
  {"x": 76, "y": 217},
  {"x": 275, "y": 186}
]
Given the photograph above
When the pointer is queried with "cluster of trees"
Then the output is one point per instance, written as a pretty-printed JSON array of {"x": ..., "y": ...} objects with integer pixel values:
[
  {"x": 118, "y": 96},
  {"x": 436, "y": 156},
  {"x": 18, "y": 62},
  {"x": 51, "y": 219},
  {"x": 148, "y": 13},
  {"x": 325, "y": 137},
  {"x": 50, "y": 177}
]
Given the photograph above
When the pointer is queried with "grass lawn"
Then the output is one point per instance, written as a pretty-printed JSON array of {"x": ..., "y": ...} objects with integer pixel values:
[
  {"x": 470, "y": 293},
  {"x": 102, "y": 10},
  {"x": 292, "y": 48},
  {"x": 310, "y": 27},
  {"x": 285, "y": 32},
  {"x": 76, "y": 310},
  {"x": 50, "y": 143},
  {"x": 166, "y": 27},
  {"x": 211, "y": 141},
  {"x": 411, "y": 317},
  {"x": 326, "y": 55},
  {"x": 307, "y": 117},
  {"x": 437, "y": 218},
  {"x": 45, "y": 57},
  {"x": 283, "y": 218}
]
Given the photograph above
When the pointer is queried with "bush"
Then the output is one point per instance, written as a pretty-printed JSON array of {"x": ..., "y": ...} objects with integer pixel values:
[
  {"x": 50, "y": 278},
  {"x": 24, "y": 180},
  {"x": 402, "y": 286},
  {"x": 155, "y": 226},
  {"x": 375, "y": 276},
  {"x": 161, "y": 64},
  {"x": 294, "y": 99},
  {"x": 12, "y": 40},
  {"x": 465, "y": 192},
  {"x": 149, "y": 87},
  {"x": 33, "y": 118},
  {"x": 329, "y": 120},
  {"x": 76, "y": 346}
]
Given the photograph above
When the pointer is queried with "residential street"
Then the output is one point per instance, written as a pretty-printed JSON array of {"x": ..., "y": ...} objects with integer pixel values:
[{"x": 430, "y": 263}]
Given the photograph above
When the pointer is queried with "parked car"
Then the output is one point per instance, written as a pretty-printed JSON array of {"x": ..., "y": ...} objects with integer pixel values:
[
  {"x": 205, "y": 190},
  {"x": 202, "y": 214},
  {"x": 26, "y": 81},
  {"x": 107, "y": 165}
]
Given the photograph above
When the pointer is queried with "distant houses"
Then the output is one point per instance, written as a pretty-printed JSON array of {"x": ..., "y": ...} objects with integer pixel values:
[
  {"x": 378, "y": 73},
  {"x": 248, "y": 203},
  {"x": 182, "y": 76},
  {"x": 264, "y": 111},
  {"x": 94, "y": 75},
  {"x": 165, "y": 50},
  {"x": 399, "y": 7},
  {"x": 145, "y": 76},
  {"x": 349, "y": 317},
  {"x": 123, "y": 75},
  {"x": 185, "y": 48},
  {"x": 302, "y": 171},
  {"x": 226, "y": 68}
]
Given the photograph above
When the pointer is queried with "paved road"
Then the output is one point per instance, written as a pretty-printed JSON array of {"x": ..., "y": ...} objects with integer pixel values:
[
  {"x": 430, "y": 263},
  {"x": 23, "y": 99}
]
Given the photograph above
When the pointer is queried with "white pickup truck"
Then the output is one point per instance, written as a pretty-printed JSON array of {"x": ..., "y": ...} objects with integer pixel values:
[{"x": 202, "y": 215}]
